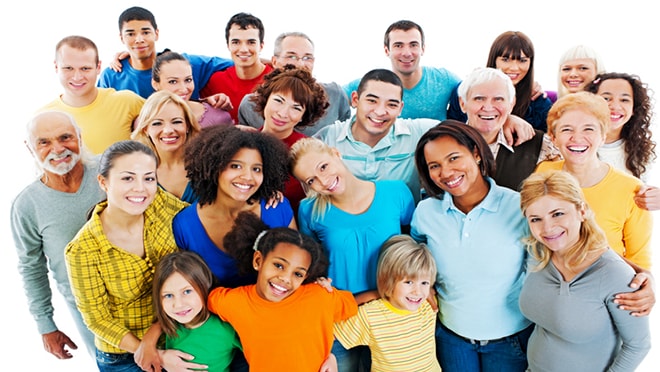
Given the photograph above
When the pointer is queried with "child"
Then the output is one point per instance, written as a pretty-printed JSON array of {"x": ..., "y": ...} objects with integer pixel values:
[
  {"x": 284, "y": 322},
  {"x": 181, "y": 286},
  {"x": 399, "y": 327}
]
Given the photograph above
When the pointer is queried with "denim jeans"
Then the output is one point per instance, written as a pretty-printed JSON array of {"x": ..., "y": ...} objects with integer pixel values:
[
  {"x": 456, "y": 354},
  {"x": 108, "y": 362},
  {"x": 357, "y": 359}
]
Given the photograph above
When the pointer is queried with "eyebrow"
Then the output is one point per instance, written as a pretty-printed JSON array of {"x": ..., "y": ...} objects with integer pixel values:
[{"x": 289, "y": 263}]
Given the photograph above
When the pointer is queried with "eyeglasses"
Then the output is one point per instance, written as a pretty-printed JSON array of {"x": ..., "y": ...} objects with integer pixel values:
[{"x": 295, "y": 58}]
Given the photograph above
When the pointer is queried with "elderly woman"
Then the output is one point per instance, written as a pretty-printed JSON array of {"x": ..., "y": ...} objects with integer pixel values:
[{"x": 487, "y": 96}]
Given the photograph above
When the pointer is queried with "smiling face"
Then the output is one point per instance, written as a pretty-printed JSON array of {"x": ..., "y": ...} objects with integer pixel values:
[
  {"x": 454, "y": 169},
  {"x": 140, "y": 38},
  {"x": 555, "y": 222},
  {"x": 54, "y": 143},
  {"x": 410, "y": 293},
  {"x": 180, "y": 299},
  {"x": 131, "y": 184},
  {"x": 488, "y": 106},
  {"x": 619, "y": 96},
  {"x": 167, "y": 129},
  {"x": 377, "y": 108},
  {"x": 578, "y": 135},
  {"x": 323, "y": 172},
  {"x": 282, "y": 114},
  {"x": 405, "y": 51},
  {"x": 176, "y": 77},
  {"x": 575, "y": 74},
  {"x": 243, "y": 175},
  {"x": 77, "y": 71},
  {"x": 297, "y": 51},
  {"x": 244, "y": 46},
  {"x": 281, "y": 272},
  {"x": 516, "y": 69}
]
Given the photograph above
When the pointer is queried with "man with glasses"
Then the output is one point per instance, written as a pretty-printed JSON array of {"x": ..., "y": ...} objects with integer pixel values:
[{"x": 296, "y": 48}]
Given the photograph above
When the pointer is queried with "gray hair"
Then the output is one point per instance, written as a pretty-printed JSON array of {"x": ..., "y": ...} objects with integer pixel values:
[
  {"x": 482, "y": 75},
  {"x": 280, "y": 38}
]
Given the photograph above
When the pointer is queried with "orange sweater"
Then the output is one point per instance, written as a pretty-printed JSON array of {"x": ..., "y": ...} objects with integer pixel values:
[{"x": 295, "y": 334}]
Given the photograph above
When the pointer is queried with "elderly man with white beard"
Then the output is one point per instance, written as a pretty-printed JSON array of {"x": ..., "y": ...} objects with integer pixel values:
[{"x": 46, "y": 215}]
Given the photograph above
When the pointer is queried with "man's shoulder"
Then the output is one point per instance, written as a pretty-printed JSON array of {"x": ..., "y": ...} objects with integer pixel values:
[{"x": 120, "y": 95}]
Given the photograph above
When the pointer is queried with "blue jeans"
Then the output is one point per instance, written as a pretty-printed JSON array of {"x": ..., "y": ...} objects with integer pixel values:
[
  {"x": 108, "y": 362},
  {"x": 357, "y": 359},
  {"x": 456, "y": 354}
]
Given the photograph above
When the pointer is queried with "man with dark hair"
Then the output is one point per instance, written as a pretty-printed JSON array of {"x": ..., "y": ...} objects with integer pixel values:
[{"x": 245, "y": 40}]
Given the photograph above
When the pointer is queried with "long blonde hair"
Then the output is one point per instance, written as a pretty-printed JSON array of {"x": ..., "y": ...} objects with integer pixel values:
[
  {"x": 305, "y": 146},
  {"x": 564, "y": 186},
  {"x": 152, "y": 106}
]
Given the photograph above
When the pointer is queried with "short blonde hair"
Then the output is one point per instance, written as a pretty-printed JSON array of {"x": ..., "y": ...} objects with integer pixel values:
[
  {"x": 402, "y": 257},
  {"x": 561, "y": 185},
  {"x": 150, "y": 109},
  {"x": 578, "y": 52},
  {"x": 584, "y": 101}
]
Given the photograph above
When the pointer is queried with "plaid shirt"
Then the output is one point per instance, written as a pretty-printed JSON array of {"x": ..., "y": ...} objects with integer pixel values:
[{"x": 113, "y": 287}]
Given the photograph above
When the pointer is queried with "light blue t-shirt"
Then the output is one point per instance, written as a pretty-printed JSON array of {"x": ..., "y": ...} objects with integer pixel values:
[
  {"x": 139, "y": 81},
  {"x": 428, "y": 99},
  {"x": 352, "y": 241},
  {"x": 481, "y": 262},
  {"x": 393, "y": 157}
]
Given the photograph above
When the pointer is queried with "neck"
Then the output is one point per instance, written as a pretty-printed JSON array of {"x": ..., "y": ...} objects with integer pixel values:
[
  {"x": 69, "y": 182},
  {"x": 471, "y": 199},
  {"x": 143, "y": 64},
  {"x": 250, "y": 72},
  {"x": 410, "y": 80},
  {"x": 279, "y": 135},
  {"x": 365, "y": 137},
  {"x": 170, "y": 159},
  {"x": 356, "y": 190},
  {"x": 119, "y": 219},
  {"x": 613, "y": 136},
  {"x": 588, "y": 174}
]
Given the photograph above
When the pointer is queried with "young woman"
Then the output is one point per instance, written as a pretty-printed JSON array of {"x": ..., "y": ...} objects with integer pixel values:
[
  {"x": 110, "y": 261},
  {"x": 180, "y": 290},
  {"x": 578, "y": 67},
  {"x": 473, "y": 228},
  {"x": 628, "y": 145},
  {"x": 284, "y": 320},
  {"x": 289, "y": 99},
  {"x": 568, "y": 294},
  {"x": 512, "y": 52},
  {"x": 230, "y": 171},
  {"x": 172, "y": 72},
  {"x": 351, "y": 218},
  {"x": 166, "y": 124}
]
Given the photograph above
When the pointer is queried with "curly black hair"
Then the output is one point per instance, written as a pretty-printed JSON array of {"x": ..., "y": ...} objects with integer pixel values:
[
  {"x": 210, "y": 152},
  {"x": 240, "y": 241},
  {"x": 636, "y": 133},
  {"x": 303, "y": 88}
]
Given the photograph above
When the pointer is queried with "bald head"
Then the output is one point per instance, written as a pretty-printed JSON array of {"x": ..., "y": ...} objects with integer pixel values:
[{"x": 54, "y": 140}]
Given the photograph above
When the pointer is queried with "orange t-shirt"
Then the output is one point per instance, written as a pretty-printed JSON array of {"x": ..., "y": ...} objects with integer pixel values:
[{"x": 295, "y": 334}]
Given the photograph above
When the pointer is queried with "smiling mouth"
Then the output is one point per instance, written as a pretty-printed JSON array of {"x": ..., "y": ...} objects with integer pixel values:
[
  {"x": 137, "y": 199},
  {"x": 577, "y": 149},
  {"x": 278, "y": 290},
  {"x": 455, "y": 182}
]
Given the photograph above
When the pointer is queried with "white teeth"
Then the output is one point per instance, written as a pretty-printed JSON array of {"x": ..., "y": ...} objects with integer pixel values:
[
  {"x": 334, "y": 184},
  {"x": 241, "y": 186},
  {"x": 454, "y": 182},
  {"x": 487, "y": 117},
  {"x": 279, "y": 288},
  {"x": 577, "y": 148},
  {"x": 137, "y": 199}
]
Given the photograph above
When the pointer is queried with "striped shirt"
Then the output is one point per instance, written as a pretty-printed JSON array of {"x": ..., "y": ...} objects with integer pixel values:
[
  {"x": 399, "y": 340},
  {"x": 112, "y": 287}
]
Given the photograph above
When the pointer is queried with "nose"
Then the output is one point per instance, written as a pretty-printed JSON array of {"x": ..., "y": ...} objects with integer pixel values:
[
  {"x": 380, "y": 109},
  {"x": 57, "y": 147}
]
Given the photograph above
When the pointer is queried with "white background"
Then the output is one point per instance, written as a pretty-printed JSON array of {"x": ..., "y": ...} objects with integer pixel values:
[{"x": 349, "y": 42}]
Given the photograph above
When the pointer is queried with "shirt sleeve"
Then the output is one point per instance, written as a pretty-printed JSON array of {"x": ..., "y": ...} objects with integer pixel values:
[{"x": 355, "y": 330}]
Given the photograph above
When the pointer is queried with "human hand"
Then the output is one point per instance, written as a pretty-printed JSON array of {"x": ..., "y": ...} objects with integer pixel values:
[
  {"x": 641, "y": 301},
  {"x": 648, "y": 197},
  {"x": 219, "y": 100},
  {"x": 246, "y": 128},
  {"x": 178, "y": 361},
  {"x": 330, "y": 364},
  {"x": 57, "y": 342},
  {"x": 518, "y": 126},
  {"x": 325, "y": 283},
  {"x": 274, "y": 200},
  {"x": 537, "y": 91},
  {"x": 115, "y": 64}
]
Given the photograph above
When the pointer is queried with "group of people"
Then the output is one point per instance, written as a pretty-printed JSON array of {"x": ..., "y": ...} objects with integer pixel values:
[{"x": 234, "y": 215}]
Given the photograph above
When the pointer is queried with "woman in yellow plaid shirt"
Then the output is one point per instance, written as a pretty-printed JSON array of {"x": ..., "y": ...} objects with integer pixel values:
[{"x": 111, "y": 260}]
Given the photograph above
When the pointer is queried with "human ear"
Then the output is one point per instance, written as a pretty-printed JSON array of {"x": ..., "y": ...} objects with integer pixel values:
[{"x": 257, "y": 260}]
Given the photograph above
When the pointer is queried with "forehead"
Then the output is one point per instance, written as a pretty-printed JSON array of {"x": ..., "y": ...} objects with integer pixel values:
[
  {"x": 69, "y": 55},
  {"x": 297, "y": 44},
  {"x": 176, "y": 67},
  {"x": 51, "y": 125},
  {"x": 405, "y": 37},
  {"x": 136, "y": 25},
  {"x": 235, "y": 32},
  {"x": 382, "y": 90},
  {"x": 493, "y": 87},
  {"x": 615, "y": 85},
  {"x": 578, "y": 117},
  {"x": 580, "y": 62}
]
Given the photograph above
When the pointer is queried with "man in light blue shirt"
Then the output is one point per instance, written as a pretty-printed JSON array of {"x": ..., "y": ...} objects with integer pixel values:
[
  {"x": 375, "y": 143},
  {"x": 426, "y": 90}
]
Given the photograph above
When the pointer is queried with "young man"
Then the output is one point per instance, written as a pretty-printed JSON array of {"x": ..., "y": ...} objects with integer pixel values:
[
  {"x": 375, "y": 143},
  {"x": 426, "y": 90},
  {"x": 138, "y": 31},
  {"x": 296, "y": 48},
  {"x": 245, "y": 40},
  {"x": 105, "y": 115},
  {"x": 46, "y": 215}
]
